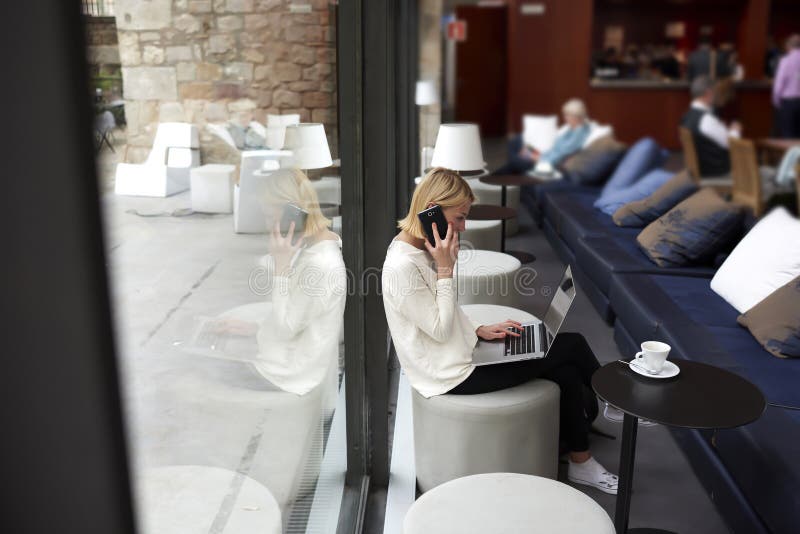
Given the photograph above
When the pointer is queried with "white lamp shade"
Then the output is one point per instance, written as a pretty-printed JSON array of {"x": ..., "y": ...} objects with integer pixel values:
[
  {"x": 283, "y": 120},
  {"x": 426, "y": 93},
  {"x": 458, "y": 147},
  {"x": 309, "y": 146}
]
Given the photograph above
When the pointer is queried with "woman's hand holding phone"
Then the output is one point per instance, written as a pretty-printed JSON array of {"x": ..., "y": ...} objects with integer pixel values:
[
  {"x": 445, "y": 253},
  {"x": 282, "y": 249}
]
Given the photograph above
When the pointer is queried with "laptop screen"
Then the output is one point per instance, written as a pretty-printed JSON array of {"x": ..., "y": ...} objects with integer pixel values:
[{"x": 562, "y": 300}]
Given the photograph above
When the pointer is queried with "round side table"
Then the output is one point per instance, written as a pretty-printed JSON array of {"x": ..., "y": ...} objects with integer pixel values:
[{"x": 700, "y": 396}]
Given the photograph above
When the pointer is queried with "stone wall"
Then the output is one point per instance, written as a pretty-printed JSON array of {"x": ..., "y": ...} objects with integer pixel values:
[
  {"x": 204, "y": 61},
  {"x": 101, "y": 38}
]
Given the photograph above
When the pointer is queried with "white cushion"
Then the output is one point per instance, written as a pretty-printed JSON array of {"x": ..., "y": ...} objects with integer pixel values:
[
  {"x": 767, "y": 258},
  {"x": 539, "y": 131}
]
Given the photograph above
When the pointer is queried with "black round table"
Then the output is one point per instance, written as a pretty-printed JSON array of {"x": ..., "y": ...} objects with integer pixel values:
[
  {"x": 488, "y": 212},
  {"x": 700, "y": 396}
]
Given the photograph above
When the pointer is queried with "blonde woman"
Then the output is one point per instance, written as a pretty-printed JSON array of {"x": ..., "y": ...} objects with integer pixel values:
[
  {"x": 434, "y": 338},
  {"x": 299, "y": 340}
]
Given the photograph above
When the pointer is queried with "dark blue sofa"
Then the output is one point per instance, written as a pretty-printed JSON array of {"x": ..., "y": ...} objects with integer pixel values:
[{"x": 752, "y": 473}]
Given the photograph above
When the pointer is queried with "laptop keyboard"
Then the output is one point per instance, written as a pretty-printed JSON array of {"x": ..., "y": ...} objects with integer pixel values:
[{"x": 526, "y": 343}]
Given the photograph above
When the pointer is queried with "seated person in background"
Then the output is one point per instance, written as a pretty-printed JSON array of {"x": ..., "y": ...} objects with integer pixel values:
[
  {"x": 522, "y": 158},
  {"x": 709, "y": 133}
]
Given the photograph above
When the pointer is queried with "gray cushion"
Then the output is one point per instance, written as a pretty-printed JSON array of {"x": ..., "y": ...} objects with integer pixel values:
[
  {"x": 595, "y": 163},
  {"x": 642, "y": 212},
  {"x": 775, "y": 321},
  {"x": 692, "y": 232}
]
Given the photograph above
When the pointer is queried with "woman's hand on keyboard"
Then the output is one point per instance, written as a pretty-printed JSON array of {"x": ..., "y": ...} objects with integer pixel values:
[{"x": 499, "y": 330}]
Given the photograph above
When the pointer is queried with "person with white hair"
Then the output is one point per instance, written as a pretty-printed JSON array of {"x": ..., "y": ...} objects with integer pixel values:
[{"x": 522, "y": 158}]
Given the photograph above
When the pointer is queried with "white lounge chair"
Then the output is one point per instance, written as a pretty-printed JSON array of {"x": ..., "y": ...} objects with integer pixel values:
[{"x": 176, "y": 149}]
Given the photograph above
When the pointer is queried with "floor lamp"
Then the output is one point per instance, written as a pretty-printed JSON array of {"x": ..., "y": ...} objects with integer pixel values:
[{"x": 426, "y": 95}]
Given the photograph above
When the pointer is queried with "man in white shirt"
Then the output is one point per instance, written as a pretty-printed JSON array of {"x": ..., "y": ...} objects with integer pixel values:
[{"x": 710, "y": 134}]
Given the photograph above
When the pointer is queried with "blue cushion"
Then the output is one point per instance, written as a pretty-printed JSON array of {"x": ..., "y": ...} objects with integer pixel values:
[
  {"x": 642, "y": 188},
  {"x": 595, "y": 163},
  {"x": 642, "y": 157},
  {"x": 640, "y": 213}
]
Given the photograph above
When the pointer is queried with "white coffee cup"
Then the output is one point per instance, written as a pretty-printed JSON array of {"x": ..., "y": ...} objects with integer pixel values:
[{"x": 653, "y": 355}]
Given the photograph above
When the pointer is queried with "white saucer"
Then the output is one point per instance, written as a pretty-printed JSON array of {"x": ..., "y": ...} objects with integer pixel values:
[{"x": 668, "y": 371}]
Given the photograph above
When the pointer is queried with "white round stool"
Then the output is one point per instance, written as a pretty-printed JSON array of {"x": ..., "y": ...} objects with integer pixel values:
[
  {"x": 191, "y": 498},
  {"x": 492, "y": 194},
  {"x": 508, "y": 503},
  {"x": 485, "y": 276},
  {"x": 481, "y": 235}
]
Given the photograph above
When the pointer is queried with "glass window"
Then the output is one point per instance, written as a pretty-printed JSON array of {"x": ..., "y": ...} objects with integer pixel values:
[{"x": 217, "y": 150}]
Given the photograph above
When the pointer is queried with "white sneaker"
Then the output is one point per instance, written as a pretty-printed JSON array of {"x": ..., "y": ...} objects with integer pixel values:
[
  {"x": 591, "y": 473},
  {"x": 615, "y": 415}
]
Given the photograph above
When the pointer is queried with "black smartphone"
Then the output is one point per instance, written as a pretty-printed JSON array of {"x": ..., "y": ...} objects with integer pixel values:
[
  {"x": 428, "y": 217},
  {"x": 298, "y": 216}
]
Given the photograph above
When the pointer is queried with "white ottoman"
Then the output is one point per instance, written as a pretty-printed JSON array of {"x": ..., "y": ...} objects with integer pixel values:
[
  {"x": 492, "y": 194},
  {"x": 486, "y": 277},
  {"x": 481, "y": 235},
  {"x": 508, "y": 503},
  {"x": 190, "y": 498},
  {"x": 212, "y": 188}
]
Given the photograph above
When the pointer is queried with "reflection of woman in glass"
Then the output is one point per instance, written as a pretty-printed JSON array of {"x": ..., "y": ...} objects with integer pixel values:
[
  {"x": 299, "y": 340},
  {"x": 434, "y": 338}
]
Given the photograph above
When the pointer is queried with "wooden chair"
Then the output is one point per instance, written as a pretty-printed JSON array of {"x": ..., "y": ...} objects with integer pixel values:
[
  {"x": 747, "y": 189},
  {"x": 722, "y": 184}
]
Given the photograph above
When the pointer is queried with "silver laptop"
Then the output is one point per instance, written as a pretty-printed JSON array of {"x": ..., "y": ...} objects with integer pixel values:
[{"x": 537, "y": 336}]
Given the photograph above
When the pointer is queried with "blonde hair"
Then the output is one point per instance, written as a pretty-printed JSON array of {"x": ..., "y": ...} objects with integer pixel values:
[
  {"x": 292, "y": 185},
  {"x": 440, "y": 186}
]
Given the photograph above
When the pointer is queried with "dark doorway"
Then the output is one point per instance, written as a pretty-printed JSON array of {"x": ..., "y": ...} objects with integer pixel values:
[{"x": 481, "y": 69}]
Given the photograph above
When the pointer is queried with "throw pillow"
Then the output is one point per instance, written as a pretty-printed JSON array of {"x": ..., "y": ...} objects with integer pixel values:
[
  {"x": 775, "y": 321},
  {"x": 764, "y": 260},
  {"x": 692, "y": 232},
  {"x": 539, "y": 131},
  {"x": 643, "y": 188},
  {"x": 643, "y": 156},
  {"x": 593, "y": 164},
  {"x": 642, "y": 212}
]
